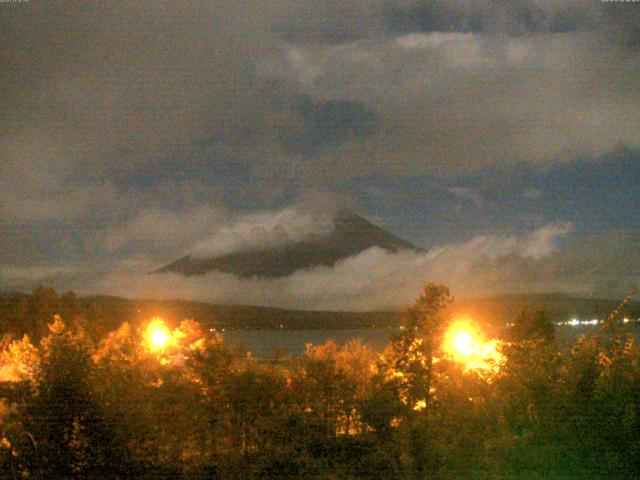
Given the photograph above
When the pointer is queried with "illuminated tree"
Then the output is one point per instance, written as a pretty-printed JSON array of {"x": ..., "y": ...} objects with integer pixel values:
[
  {"x": 408, "y": 365},
  {"x": 64, "y": 417},
  {"x": 149, "y": 381},
  {"x": 330, "y": 382},
  {"x": 411, "y": 352}
]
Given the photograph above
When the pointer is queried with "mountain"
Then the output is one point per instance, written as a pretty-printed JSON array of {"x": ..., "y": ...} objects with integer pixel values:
[{"x": 351, "y": 235}]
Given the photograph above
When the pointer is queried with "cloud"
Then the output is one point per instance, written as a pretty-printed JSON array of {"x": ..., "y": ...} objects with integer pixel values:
[
  {"x": 330, "y": 122},
  {"x": 264, "y": 230},
  {"x": 131, "y": 81},
  {"x": 412, "y": 86},
  {"x": 339, "y": 22},
  {"x": 148, "y": 127},
  {"x": 467, "y": 194},
  {"x": 417, "y": 84},
  {"x": 422, "y": 41},
  {"x": 330, "y": 21},
  {"x": 542, "y": 242},
  {"x": 459, "y": 102},
  {"x": 163, "y": 230},
  {"x": 513, "y": 17},
  {"x": 377, "y": 279},
  {"x": 20, "y": 277}
]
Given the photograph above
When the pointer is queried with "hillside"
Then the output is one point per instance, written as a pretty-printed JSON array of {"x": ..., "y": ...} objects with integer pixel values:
[
  {"x": 105, "y": 313},
  {"x": 238, "y": 316}
]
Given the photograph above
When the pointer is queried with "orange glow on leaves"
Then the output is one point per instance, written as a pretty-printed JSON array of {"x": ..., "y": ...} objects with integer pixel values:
[
  {"x": 156, "y": 335},
  {"x": 464, "y": 343}
]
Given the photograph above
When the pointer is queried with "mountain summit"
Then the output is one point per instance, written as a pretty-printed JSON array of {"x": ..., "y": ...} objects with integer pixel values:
[{"x": 351, "y": 235}]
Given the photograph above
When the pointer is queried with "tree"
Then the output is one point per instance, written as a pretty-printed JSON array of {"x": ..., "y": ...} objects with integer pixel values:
[
  {"x": 409, "y": 364},
  {"x": 73, "y": 437},
  {"x": 411, "y": 354},
  {"x": 44, "y": 304},
  {"x": 533, "y": 325}
]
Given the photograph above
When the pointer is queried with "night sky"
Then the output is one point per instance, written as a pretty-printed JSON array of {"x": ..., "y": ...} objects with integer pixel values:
[{"x": 501, "y": 137}]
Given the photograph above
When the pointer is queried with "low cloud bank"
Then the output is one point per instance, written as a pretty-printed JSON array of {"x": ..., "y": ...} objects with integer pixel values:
[
  {"x": 552, "y": 258},
  {"x": 264, "y": 230},
  {"x": 377, "y": 279}
]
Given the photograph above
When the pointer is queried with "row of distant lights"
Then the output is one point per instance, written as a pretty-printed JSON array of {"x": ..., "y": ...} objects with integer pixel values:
[{"x": 575, "y": 322}]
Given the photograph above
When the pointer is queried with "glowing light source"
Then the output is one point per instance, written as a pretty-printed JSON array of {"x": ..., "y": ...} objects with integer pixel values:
[
  {"x": 464, "y": 343},
  {"x": 159, "y": 338},
  {"x": 157, "y": 334}
]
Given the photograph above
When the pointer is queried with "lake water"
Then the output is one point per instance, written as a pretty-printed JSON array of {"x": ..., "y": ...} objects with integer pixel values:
[{"x": 264, "y": 343}]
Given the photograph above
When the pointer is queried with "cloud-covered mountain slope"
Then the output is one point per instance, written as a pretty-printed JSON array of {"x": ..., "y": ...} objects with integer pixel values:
[{"x": 351, "y": 235}]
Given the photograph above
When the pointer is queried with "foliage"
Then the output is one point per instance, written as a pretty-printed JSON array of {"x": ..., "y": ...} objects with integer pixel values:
[
  {"x": 532, "y": 325},
  {"x": 410, "y": 356},
  {"x": 194, "y": 408}
]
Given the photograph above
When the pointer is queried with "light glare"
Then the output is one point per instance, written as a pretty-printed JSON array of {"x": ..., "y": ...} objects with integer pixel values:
[
  {"x": 464, "y": 344},
  {"x": 159, "y": 338},
  {"x": 157, "y": 334}
]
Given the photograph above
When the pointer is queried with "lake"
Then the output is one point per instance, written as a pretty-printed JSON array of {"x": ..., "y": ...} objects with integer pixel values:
[{"x": 264, "y": 343}]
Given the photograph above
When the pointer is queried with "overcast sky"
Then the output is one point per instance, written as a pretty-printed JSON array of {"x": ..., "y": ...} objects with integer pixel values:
[{"x": 502, "y": 137}]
